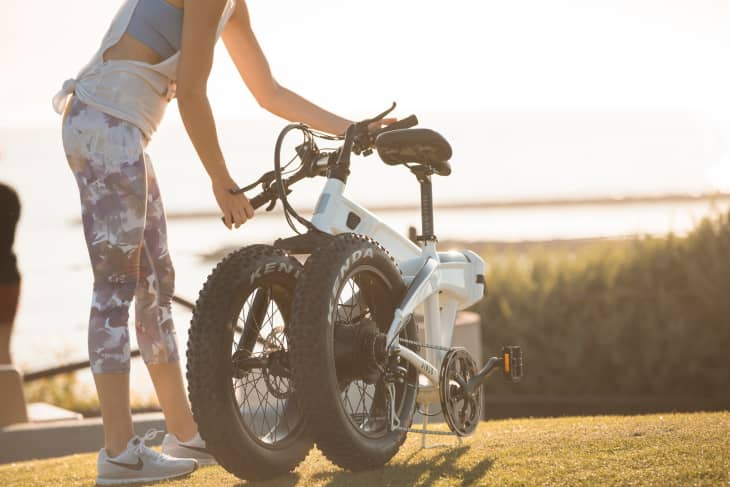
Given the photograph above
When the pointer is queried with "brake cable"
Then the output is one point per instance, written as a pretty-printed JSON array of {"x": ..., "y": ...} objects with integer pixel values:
[
  {"x": 281, "y": 190},
  {"x": 289, "y": 212}
]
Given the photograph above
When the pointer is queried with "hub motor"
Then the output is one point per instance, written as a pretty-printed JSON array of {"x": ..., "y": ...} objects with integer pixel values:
[
  {"x": 359, "y": 351},
  {"x": 462, "y": 410}
]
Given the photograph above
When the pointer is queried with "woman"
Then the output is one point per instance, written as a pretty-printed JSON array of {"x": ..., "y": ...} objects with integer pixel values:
[
  {"x": 154, "y": 50},
  {"x": 9, "y": 275}
]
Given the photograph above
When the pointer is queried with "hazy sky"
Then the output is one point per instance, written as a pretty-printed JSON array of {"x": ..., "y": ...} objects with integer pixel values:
[{"x": 466, "y": 57}]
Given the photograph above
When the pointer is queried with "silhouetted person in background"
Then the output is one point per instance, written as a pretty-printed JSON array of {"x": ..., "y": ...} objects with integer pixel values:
[{"x": 9, "y": 275}]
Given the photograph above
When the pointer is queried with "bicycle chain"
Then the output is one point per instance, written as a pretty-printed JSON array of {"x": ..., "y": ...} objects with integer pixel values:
[{"x": 424, "y": 345}]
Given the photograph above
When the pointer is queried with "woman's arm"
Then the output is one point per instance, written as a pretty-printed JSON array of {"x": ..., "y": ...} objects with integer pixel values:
[
  {"x": 255, "y": 72},
  {"x": 196, "y": 59}
]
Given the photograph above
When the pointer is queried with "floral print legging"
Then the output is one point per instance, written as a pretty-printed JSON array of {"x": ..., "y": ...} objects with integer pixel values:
[{"x": 126, "y": 235}]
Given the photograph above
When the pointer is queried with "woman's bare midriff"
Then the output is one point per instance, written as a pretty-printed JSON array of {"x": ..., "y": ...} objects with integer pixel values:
[{"x": 130, "y": 49}]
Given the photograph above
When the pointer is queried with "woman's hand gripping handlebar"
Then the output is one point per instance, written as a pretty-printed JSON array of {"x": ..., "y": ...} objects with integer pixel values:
[
  {"x": 371, "y": 135},
  {"x": 269, "y": 195},
  {"x": 237, "y": 210}
]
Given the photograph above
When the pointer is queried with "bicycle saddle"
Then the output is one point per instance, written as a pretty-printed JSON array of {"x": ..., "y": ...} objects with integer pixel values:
[{"x": 420, "y": 146}]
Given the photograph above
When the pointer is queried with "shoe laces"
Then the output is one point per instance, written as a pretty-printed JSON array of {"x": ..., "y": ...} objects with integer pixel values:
[{"x": 142, "y": 449}]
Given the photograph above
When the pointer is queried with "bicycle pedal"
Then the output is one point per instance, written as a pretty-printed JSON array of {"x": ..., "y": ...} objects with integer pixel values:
[{"x": 513, "y": 365}]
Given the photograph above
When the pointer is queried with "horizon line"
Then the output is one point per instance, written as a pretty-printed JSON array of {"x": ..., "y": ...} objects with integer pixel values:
[{"x": 716, "y": 196}]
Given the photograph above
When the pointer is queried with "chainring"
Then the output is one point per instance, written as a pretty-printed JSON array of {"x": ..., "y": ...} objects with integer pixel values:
[{"x": 462, "y": 411}]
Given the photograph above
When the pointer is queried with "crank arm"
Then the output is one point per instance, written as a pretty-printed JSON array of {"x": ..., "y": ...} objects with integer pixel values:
[
  {"x": 510, "y": 362},
  {"x": 476, "y": 381}
]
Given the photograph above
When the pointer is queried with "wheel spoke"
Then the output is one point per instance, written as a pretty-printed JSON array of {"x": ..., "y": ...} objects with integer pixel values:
[
  {"x": 364, "y": 403},
  {"x": 260, "y": 393}
]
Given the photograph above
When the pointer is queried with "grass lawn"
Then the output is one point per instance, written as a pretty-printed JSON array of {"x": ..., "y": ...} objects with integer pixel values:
[{"x": 661, "y": 450}]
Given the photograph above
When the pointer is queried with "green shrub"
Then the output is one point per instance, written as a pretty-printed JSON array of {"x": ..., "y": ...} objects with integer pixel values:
[
  {"x": 68, "y": 392},
  {"x": 64, "y": 391},
  {"x": 648, "y": 315}
]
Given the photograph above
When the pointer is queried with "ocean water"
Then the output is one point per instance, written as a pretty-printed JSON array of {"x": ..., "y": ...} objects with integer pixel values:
[{"x": 496, "y": 158}]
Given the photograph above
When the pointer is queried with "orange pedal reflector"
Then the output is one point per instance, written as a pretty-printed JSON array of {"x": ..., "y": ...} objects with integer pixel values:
[{"x": 512, "y": 362}]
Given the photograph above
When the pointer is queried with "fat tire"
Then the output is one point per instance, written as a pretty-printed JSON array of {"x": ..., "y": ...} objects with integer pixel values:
[
  {"x": 209, "y": 365},
  {"x": 313, "y": 368}
]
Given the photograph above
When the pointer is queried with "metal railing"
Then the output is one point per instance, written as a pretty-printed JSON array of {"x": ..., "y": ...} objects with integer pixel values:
[{"x": 83, "y": 364}]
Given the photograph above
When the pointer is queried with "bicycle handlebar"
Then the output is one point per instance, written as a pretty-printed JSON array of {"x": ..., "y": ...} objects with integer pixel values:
[
  {"x": 260, "y": 200},
  {"x": 270, "y": 192}
]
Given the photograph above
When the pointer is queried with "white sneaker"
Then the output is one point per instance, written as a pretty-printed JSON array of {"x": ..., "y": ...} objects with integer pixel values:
[
  {"x": 193, "y": 448},
  {"x": 139, "y": 463}
]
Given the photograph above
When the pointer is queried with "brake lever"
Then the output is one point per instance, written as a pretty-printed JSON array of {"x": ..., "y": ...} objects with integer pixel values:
[
  {"x": 362, "y": 145},
  {"x": 265, "y": 181},
  {"x": 377, "y": 117}
]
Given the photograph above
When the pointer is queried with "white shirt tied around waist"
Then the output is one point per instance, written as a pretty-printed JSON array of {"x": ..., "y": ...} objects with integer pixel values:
[{"x": 132, "y": 91}]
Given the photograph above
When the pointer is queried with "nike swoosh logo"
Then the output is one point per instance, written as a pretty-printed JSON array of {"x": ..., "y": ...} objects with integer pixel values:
[
  {"x": 130, "y": 466},
  {"x": 195, "y": 448}
]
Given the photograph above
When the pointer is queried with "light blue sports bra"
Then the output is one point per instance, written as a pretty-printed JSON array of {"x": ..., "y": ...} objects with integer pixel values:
[{"x": 158, "y": 25}]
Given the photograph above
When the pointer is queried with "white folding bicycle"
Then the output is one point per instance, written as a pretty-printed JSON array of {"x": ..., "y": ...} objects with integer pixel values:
[{"x": 282, "y": 356}]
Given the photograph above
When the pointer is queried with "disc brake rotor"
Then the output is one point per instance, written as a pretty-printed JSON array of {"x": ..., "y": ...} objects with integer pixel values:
[
  {"x": 462, "y": 411},
  {"x": 277, "y": 374}
]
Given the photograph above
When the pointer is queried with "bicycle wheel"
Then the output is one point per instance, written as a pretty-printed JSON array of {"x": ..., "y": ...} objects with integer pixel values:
[
  {"x": 349, "y": 388},
  {"x": 240, "y": 384}
]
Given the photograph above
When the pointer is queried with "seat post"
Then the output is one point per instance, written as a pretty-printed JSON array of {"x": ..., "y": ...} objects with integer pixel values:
[{"x": 423, "y": 174}]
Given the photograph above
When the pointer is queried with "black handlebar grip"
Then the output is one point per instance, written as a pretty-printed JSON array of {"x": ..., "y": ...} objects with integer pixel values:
[
  {"x": 260, "y": 200},
  {"x": 406, "y": 123}
]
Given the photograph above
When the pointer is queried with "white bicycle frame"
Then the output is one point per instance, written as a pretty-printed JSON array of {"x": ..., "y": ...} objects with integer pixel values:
[{"x": 439, "y": 283}]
